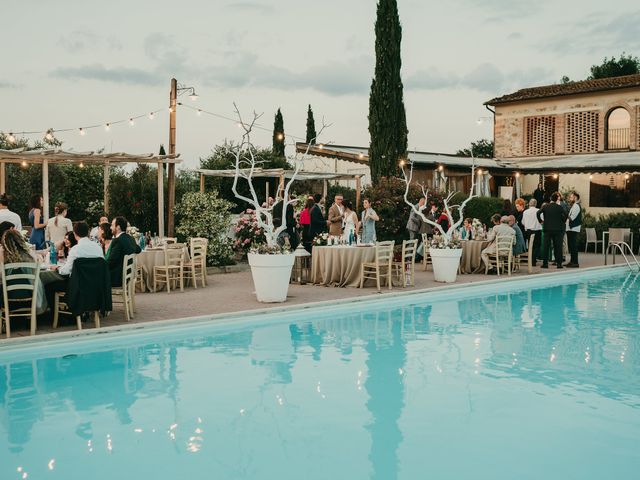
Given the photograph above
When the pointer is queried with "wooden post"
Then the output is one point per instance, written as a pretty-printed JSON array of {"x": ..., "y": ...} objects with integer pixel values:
[
  {"x": 201, "y": 183},
  {"x": 160, "y": 199},
  {"x": 325, "y": 190},
  {"x": 266, "y": 189},
  {"x": 3, "y": 176},
  {"x": 45, "y": 189},
  {"x": 357, "y": 207},
  {"x": 106, "y": 187},
  {"x": 171, "y": 170},
  {"x": 281, "y": 185}
]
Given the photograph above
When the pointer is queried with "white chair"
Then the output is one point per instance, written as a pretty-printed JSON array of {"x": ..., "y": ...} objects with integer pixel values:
[
  {"x": 526, "y": 257},
  {"x": 618, "y": 235},
  {"x": 503, "y": 255},
  {"x": 426, "y": 259},
  {"x": 381, "y": 268},
  {"x": 22, "y": 279},
  {"x": 406, "y": 267},
  {"x": 196, "y": 268},
  {"x": 592, "y": 237},
  {"x": 126, "y": 293},
  {"x": 172, "y": 272}
]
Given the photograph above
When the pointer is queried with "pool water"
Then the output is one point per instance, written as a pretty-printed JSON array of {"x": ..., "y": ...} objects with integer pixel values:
[{"x": 523, "y": 382}]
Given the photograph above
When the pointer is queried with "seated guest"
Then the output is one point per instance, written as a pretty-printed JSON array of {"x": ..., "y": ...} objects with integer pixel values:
[
  {"x": 501, "y": 229},
  {"x": 4, "y": 226},
  {"x": 84, "y": 248},
  {"x": 122, "y": 244},
  {"x": 465, "y": 230},
  {"x": 95, "y": 231},
  {"x": 443, "y": 221},
  {"x": 58, "y": 226},
  {"x": 68, "y": 243},
  {"x": 518, "y": 247},
  {"x": 8, "y": 215},
  {"x": 105, "y": 236}
]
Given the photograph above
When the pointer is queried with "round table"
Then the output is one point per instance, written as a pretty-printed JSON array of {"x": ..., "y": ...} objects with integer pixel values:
[
  {"x": 149, "y": 258},
  {"x": 339, "y": 266},
  {"x": 471, "y": 262}
]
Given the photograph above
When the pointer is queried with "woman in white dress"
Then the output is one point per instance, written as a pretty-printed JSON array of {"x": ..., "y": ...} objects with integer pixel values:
[
  {"x": 58, "y": 226},
  {"x": 350, "y": 221}
]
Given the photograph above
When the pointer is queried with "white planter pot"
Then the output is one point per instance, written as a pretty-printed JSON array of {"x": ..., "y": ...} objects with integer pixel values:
[
  {"x": 271, "y": 274},
  {"x": 445, "y": 263}
]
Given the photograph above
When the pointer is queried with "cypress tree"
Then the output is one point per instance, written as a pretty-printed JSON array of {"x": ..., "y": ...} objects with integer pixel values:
[
  {"x": 311, "y": 127},
  {"x": 387, "y": 118},
  {"x": 278, "y": 135}
]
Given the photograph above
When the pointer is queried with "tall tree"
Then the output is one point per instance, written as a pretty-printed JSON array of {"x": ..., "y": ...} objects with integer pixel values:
[
  {"x": 616, "y": 67},
  {"x": 311, "y": 127},
  {"x": 483, "y": 148},
  {"x": 387, "y": 117},
  {"x": 278, "y": 134}
]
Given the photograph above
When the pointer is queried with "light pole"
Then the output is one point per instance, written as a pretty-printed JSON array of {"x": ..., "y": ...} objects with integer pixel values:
[{"x": 176, "y": 90}]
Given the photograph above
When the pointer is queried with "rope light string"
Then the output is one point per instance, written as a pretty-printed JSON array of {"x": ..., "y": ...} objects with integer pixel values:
[{"x": 49, "y": 134}]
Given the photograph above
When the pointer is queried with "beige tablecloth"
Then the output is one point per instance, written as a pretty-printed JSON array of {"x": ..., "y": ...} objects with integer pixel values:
[
  {"x": 151, "y": 257},
  {"x": 339, "y": 266},
  {"x": 470, "y": 262}
]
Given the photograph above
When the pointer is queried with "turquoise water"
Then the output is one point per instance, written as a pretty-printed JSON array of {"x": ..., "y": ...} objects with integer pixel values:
[{"x": 526, "y": 383}]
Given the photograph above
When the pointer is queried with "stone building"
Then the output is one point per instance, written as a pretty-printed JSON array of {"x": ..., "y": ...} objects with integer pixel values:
[{"x": 579, "y": 135}]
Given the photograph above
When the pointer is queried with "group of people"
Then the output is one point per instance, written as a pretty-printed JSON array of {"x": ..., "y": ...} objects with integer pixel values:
[{"x": 108, "y": 240}]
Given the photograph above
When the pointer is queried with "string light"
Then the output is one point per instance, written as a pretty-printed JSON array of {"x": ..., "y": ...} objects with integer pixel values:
[
  {"x": 590, "y": 177},
  {"x": 11, "y": 138},
  {"x": 170, "y": 109},
  {"x": 151, "y": 115},
  {"x": 555, "y": 176},
  {"x": 199, "y": 112},
  {"x": 440, "y": 168},
  {"x": 131, "y": 122},
  {"x": 107, "y": 127},
  {"x": 280, "y": 136},
  {"x": 81, "y": 130},
  {"x": 24, "y": 164},
  {"x": 81, "y": 165},
  {"x": 193, "y": 96},
  {"x": 480, "y": 171},
  {"x": 517, "y": 174},
  {"x": 49, "y": 135},
  {"x": 626, "y": 176}
]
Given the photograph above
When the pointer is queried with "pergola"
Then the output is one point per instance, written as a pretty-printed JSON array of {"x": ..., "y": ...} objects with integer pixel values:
[
  {"x": 282, "y": 174},
  {"x": 46, "y": 157}
]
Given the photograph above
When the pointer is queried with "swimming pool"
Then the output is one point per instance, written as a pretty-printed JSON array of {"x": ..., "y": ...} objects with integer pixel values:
[{"x": 528, "y": 380}]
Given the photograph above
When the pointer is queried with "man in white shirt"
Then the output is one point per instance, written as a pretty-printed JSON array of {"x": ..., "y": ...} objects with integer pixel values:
[
  {"x": 532, "y": 227},
  {"x": 85, "y": 248},
  {"x": 7, "y": 215},
  {"x": 574, "y": 223}
]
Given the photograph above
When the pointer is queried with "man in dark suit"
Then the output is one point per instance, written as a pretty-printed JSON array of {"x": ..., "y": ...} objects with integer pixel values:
[
  {"x": 318, "y": 223},
  {"x": 553, "y": 219},
  {"x": 122, "y": 244}
]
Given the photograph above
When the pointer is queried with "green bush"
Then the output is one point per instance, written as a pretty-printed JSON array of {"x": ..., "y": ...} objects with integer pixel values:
[
  {"x": 347, "y": 192},
  {"x": 205, "y": 215},
  {"x": 603, "y": 223}
]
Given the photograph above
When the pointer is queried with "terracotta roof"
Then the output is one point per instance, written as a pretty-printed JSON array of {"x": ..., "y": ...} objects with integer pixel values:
[{"x": 572, "y": 88}]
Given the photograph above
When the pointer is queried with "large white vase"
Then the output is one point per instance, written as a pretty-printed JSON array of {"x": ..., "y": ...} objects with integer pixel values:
[
  {"x": 445, "y": 263},
  {"x": 271, "y": 274}
]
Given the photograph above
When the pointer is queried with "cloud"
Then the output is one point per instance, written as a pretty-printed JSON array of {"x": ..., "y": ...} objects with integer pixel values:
[
  {"x": 124, "y": 75},
  {"x": 486, "y": 77},
  {"x": 250, "y": 7},
  {"x": 81, "y": 40},
  {"x": 514, "y": 36},
  {"x": 165, "y": 51},
  {"x": 498, "y": 11},
  {"x": 4, "y": 84}
]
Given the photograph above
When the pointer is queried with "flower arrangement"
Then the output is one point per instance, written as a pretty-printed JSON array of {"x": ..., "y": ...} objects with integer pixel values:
[
  {"x": 265, "y": 249},
  {"x": 134, "y": 232},
  {"x": 440, "y": 242},
  {"x": 321, "y": 240},
  {"x": 247, "y": 233},
  {"x": 477, "y": 228}
]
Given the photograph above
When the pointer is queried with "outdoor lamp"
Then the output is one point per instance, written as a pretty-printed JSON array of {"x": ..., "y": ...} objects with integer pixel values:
[{"x": 301, "y": 272}]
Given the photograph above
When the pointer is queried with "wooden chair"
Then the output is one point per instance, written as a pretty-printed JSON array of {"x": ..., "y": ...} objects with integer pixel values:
[
  {"x": 22, "y": 279},
  {"x": 196, "y": 268},
  {"x": 503, "y": 252},
  {"x": 405, "y": 269},
  {"x": 140, "y": 283},
  {"x": 170, "y": 240},
  {"x": 126, "y": 294},
  {"x": 172, "y": 272},
  {"x": 381, "y": 268},
  {"x": 592, "y": 237},
  {"x": 61, "y": 307},
  {"x": 426, "y": 259},
  {"x": 526, "y": 257}
]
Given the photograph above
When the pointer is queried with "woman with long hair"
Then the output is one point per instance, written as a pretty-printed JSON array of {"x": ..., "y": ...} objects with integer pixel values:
[
  {"x": 369, "y": 217},
  {"x": 58, "y": 226},
  {"x": 105, "y": 236},
  {"x": 37, "y": 221},
  {"x": 68, "y": 242},
  {"x": 305, "y": 222},
  {"x": 350, "y": 222}
]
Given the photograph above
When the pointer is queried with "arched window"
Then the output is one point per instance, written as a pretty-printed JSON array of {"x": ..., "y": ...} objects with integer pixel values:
[{"x": 618, "y": 128}]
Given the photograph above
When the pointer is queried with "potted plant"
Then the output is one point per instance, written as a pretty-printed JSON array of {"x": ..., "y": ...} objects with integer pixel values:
[
  {"x": 271, "y": 262},
  {"x": 445, "y": 248}
]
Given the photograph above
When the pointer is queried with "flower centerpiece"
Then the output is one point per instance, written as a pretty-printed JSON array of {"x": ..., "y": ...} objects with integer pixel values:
[
  {"x": 271, "y": 263},
  {"x": 477, "y": 229},
  {"x": 321, "y": 240},
  {"x": 134, "y": 232},
  {"x": 445, "y": 249}
]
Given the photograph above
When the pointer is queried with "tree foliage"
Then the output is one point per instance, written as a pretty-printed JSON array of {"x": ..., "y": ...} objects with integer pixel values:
[
  {"x": 483, "y": 148},
  {"x": 278, "y": 135},
  {"x": 387, "y": 117},
  {"x": 615, "y": 67},
  {"x": 311, "y": 127}
]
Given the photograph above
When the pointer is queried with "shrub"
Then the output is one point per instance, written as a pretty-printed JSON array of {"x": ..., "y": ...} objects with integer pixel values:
[
  {"x": 247, "y": 233},
  {"x": 347, "y": 192},
  {"x": 603, "y": 223},
  {"x": 205, "y": 215}
]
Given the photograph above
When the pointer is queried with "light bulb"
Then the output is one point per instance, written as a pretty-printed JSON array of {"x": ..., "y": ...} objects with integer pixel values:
[
  {"x": 24, "y": 164},
  {"x": 107, "y": 127},
  {"x": 280, "y": 136},
  {"x": 193, "y": 96},
  {"x": 402, "y": 163},
  {"x": 81, "y": 165},
  {"x": 555, "y": 176},
  {"x": 440, "y": 168},
  {"x": 81, "y": 130},
  {"x": 320, "y": 146},
  {"x": 151, "y": 115},
  {"x": 198, "y": 112},
  {"x": 49, "y": 135},
  {"x": 479, "y": 171},
  {"x": 590, "y": 177},
  {"x": 11, "y": 138},
  {"x": 170, "y": 109},
  {"x": 360, "y": 156},
  {"x": 517, "y": 174},
  {"x": 626, "y": 176},
  {"x": 239, "y": 125},
  {"x": 131, "y": 122}
]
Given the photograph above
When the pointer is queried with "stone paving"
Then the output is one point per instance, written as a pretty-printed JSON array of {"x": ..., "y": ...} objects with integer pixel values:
[{"x": 233, "y": 292}]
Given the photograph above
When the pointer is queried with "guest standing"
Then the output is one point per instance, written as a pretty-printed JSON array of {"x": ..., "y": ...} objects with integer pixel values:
[
  {"x": 369, "y": 219},
  {"x": 58, "y": 226},
  {"x": 122, "y": 244},
  {"x": 443, "y": 221},
  {"x": 350, "y": 227},
  {"x": 552, "y": 218},
  {"x": 305, "y": 223},
  {"x": 37, "y": 221},
  {"x": 7, "y": 215},
  {"x": 335, "y": 216},
  {"x": 520, "y": 206},
  {"x": 413, "y": 224},
  {"x": 318, "y": 223},
  {"x": 532, "y": 227},
  {"x": 432, "y": 215},
  {"x": 507, "y": 208},
  {"x": 538, "y": 194},
  {"x": 574, "y": 223}
]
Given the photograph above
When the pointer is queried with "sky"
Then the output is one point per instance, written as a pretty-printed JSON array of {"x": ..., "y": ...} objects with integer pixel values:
[{"x": 75, "y": 63}]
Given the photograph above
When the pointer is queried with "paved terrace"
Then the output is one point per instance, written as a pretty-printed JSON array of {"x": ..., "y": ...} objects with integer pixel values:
[{"x": 233, "y": 292}]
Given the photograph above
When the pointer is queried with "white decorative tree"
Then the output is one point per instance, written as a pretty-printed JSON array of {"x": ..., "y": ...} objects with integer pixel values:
[
  {"x": 247, "y": 165},
  {"x": 448, "y": 208}
]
